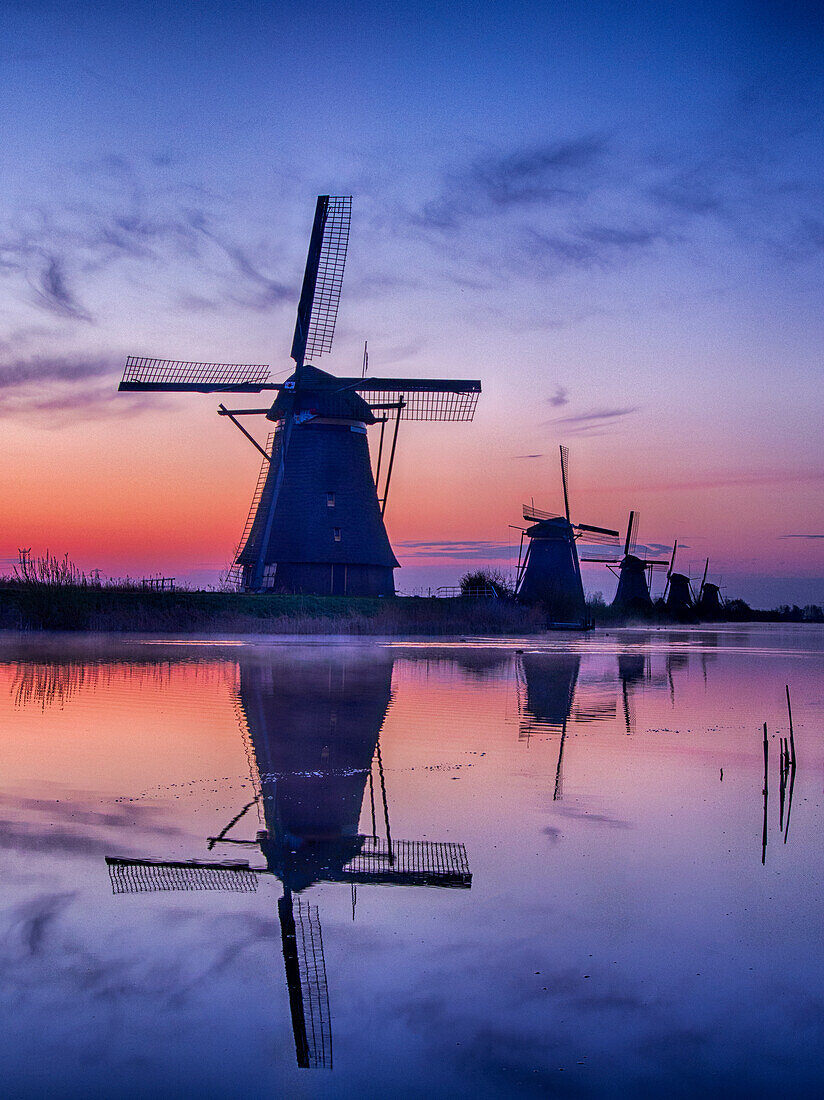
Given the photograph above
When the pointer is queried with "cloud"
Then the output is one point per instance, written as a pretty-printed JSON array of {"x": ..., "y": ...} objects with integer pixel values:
[
  {"x": 54, "y": 294},
  {"x": 84, "y": 386},
  {"x": 32, "y": 919},
  {"x": 556, "y": 172},
  {"x": 598, "y": 203},
  {"x": 529, "y": 456},
  {"x": 593, "y": 422},
  {"x": 42, "y": 370},
  {"x": 259, "y": 290},
  {"x": 468, "y": 550},
  {"x": 559, "y": 397},
  {"x": 53, "y": 839},
  {"x": 724, "y": 480},
  {"x": 136, "y": 218},
  {"x": 801, "y": 536}
]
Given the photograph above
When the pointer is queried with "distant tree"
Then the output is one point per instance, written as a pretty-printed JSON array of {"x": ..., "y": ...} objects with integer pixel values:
[{"x": 738, "y": 611}]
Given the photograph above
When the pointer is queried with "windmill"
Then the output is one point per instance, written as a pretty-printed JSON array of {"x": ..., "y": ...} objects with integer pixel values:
[
  {"x": 709, "y": 604},
  {"x": 312, "y": 730},
  {"x": 678, "y": 599},
  {"x": 550, "y": 572},
  {"x": 632, "y": 594},
  {"x": 317, "y": 524}
]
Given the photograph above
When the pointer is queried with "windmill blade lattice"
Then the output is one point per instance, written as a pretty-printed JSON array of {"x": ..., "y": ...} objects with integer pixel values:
[
  {"x": 143, "y": 876},
  {"x": 174, "y": 375},
  {"x": 314, "y": 987},
  {"x": 423, "y": 399},
  {"x": 323, "y": 277}
]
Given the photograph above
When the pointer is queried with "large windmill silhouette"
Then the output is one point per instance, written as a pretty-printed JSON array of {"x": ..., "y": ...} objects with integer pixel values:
[
  {"x": 313, "y": 736},
  {"x": 317, "y": 521}
]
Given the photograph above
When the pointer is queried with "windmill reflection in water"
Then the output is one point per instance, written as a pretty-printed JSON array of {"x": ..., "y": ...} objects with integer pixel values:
[
  {"x": 313, "y": 734},
  {"x": 554, "y": 694}
]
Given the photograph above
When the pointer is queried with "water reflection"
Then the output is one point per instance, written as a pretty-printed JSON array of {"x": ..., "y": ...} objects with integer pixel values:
[
  {"x": 618, "y": 919},
  {"x": 313, "y": 736}
]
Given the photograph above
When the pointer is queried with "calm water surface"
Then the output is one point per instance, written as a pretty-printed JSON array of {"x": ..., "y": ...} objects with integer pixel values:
[{"x": 266, "y": 869}]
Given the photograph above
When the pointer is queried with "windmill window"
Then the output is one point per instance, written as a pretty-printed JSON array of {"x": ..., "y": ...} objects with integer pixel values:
[
  {"x": 330, "y": 500},
  {"x": 336, "y": 533}
]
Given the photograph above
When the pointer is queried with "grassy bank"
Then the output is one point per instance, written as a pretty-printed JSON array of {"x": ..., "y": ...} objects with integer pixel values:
[{"x": 68, "y": 607}]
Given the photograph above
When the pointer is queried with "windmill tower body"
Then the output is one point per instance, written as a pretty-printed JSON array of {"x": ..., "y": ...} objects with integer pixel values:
[
  {"x": 679, "y": 598},
  {"x": 322, "y": 532},
  {"x": 550, "y": 680},
  {"x": 552, "y": 575},
  {"x": 313, "y": 729},
  {"x": 318, "y": 522},
  {"x": 709, "y": 603},
  {"x": 632, "y": 593}
]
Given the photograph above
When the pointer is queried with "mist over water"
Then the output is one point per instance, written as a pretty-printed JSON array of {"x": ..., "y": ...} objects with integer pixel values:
[{"x": 466, "y": 869}]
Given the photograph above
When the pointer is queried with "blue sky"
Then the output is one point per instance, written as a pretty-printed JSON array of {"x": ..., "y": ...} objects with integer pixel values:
[{"x": 611, "y": 215}]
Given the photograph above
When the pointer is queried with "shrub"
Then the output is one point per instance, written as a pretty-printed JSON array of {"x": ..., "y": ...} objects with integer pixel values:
[{"x": 491, "y": 583}]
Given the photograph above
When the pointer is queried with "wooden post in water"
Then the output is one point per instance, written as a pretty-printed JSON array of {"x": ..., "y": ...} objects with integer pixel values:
[
  {"x": 790, "y": 713},
  {"x": 766, "y": 788}
]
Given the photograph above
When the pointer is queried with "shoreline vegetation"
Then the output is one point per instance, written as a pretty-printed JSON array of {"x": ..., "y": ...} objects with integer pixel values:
[{"x": 51, "y": 594}]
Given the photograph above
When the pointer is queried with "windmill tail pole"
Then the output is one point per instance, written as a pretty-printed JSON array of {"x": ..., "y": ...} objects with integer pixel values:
[{"x": 391, "y": 459}]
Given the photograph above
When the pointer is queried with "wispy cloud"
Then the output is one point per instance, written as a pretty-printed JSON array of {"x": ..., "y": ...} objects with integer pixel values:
[
  {"x": 140, "y": 219},
  {"x": 598, "y": 203},
  {"x": 801, "y": 536},
  {"x": 54, "y": 293},
  {"x": 724, "y": 480},
  {"x": 83, "y": 386},
  {"x": 593, "y": 422},
  {"x": 43, "y": 369},
  {"x": 559, "y": 397},
  {"x": 469, "y": 550},
  {"x": 556, "y": 172}
]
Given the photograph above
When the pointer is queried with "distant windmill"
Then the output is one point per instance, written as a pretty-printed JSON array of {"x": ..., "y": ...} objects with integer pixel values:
[
  {"x": 678, "y": 598},
  {"x": 709, "y": 604},
  {"x": 632, "y": 594},
  {"x": 550, "y": 572},
  {"x": 318, "y": 515}
]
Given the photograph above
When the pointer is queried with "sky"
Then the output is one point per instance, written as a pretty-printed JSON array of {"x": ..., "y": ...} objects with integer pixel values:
[{"x": 610, "y": 214}]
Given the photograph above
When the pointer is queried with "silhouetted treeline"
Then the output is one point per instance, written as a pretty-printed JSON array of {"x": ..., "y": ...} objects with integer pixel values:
[{"x": 732, "y": 611}]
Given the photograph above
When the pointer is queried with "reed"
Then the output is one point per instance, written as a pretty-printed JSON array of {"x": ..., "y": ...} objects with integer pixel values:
[{"x": 130, "y": 609}]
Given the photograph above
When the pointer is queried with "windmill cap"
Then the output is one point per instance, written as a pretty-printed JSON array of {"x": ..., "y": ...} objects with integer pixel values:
[{"x": 321, "y": 394}]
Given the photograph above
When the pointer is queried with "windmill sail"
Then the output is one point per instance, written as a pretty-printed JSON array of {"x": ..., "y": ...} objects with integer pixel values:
[
  {"x": 305, "y": 967},
  {"x": 174, "y": 376},
  {"x": 452, "y": 399},
  {"x": 323, "y": 278},
  {"x": 143, "y": 876}
]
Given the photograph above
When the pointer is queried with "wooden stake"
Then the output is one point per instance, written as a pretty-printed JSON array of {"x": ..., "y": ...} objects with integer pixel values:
[
  {"x": 790, "y": 713},
  {"x": 766, "y": 763}
]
